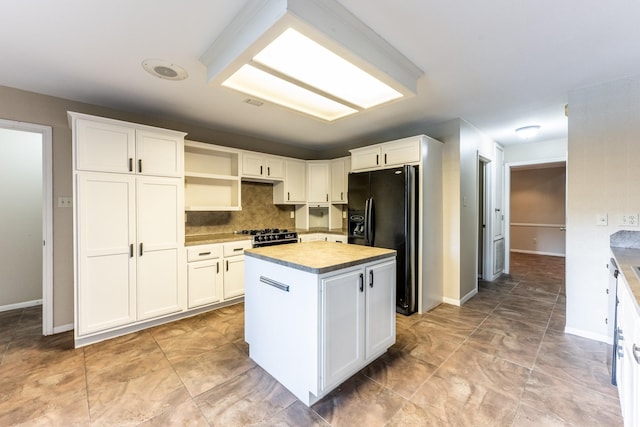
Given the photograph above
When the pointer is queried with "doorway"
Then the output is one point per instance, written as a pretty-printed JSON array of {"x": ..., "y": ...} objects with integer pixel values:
[
  {"x": 535, "y": 198},
  {"x": 27, "y": 224},
  {"x": 483, "y": 220}
]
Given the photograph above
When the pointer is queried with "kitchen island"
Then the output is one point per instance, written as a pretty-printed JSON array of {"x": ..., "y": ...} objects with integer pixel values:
[{"x": 318, "y": 312}]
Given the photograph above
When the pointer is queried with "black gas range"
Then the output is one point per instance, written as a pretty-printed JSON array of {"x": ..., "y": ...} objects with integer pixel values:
[{"x": 270, "y": 236}]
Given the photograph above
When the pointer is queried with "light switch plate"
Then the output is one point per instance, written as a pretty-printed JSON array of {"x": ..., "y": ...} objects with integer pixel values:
[
  {"x": 65, "y": 202},
  {"x": 601, "y": 219}
]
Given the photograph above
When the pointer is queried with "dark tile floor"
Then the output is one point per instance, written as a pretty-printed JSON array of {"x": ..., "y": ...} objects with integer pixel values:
[{"x": 502, "y": 359}]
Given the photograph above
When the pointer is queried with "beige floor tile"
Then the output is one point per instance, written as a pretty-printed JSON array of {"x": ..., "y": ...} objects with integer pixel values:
[
  {"x": 252, "y": 397},
  {"x": 189, "y": 345},
  {"x": 297, "y": 414},
  {"x": 186, "y": 414}
]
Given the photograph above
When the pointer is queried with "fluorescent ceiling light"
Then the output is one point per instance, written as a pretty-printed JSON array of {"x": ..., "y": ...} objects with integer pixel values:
[
  {"x": 316, "y": 45},
  {"x": 528, "y": 132},
  {"x": 263, "y": 85}
]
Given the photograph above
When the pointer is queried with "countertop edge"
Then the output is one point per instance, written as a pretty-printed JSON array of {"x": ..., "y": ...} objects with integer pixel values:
[
  {"x": 321, "y": 270},
  {"x": 626, "y": 258}
]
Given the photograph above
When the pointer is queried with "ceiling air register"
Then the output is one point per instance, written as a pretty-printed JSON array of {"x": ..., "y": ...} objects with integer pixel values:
[{"x": 312, "y": 56}]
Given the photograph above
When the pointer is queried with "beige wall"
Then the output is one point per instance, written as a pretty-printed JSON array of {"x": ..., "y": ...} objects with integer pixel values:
[
  {"x": 603, "y": 177},
  {"x": 50, "y": 111},
  {"x": 534, "y": 151},
  {"x": 463, "y": 143},
  {"x": 538, "y": 200},
  {"x": 20, "y": 217}
]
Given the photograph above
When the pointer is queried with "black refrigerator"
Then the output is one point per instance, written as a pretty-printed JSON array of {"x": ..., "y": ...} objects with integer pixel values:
[{"x": 383, "y": 213}]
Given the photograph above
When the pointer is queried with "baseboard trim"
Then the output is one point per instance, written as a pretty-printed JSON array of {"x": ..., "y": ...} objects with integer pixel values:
[
  {"x": 468, "y": 296},
  {"x": 451, "y": 301},
  {"x": 18, "y": 305},
  {"x": 522, "y": 251},
  {"x": 588, "y": 334}
]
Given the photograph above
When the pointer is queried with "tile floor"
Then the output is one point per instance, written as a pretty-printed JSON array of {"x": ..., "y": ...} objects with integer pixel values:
[{"x": 502, "y": 359}]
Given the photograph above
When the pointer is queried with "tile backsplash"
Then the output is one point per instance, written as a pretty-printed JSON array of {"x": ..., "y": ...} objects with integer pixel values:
[{"x": 258, "y": 211}]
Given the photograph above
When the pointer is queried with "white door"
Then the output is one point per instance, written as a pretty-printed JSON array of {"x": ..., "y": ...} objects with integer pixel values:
[
  {"x": 296, "y": 181},
  {"x": 318, "y": 182},
  {"x": 233, "y": 277},
  {"x": 159, "y": 154},
  {"x": 104, "y": 147},
  {"x": 252, "y": 165},
  {"x": 159, "y": 245},
  {"x": 343, "y": 321},
  {"x": 204, "y": 282},
  {"x": 380, "y": 304},
  {"x": 338, "y": 181},
  {"x": 105, "y": 217},
  {"x": 275, "y": 167}
]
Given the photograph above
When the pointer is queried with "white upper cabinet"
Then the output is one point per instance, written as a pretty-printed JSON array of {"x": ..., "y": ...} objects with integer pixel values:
[
  {"x": 318, "y": 187},
  {"x": 293, "y": 190},
  {"x": 339, "y": 180},
  {"x": 386, "y": 155},
  {"x": 105, "y": 145},
  {"x": 262, "y": 166}
]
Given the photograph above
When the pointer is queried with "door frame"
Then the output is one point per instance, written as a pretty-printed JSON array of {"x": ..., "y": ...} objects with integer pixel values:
[
  {"x": 487, "y": 237},
  {"x": 507, "y": 200},
  {"x": 47, "y": 215}
]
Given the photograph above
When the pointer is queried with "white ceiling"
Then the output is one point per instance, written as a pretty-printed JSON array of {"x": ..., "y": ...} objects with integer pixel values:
[{"x": 499, "y": 64}]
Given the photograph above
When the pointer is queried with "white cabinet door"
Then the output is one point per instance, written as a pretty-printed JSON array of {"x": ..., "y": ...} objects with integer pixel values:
[
  {"x": 252, "y": 165},
  {"x": 401, "y": 152},
  {"x": 380, "y": 305},
  {"x": 159, "y": 154},
  {"x": 342, "y": 326},
  {"x": 296, "y": 181},
  {"x": 233, "y": 277},
  {"x": 105, "y": 221},
  {"x": 275, "y": 167},
  {"x": 318, "y": 189},
  {"x": 339, "y": 181},
  {"x": 365, "y": 158},
  {"x": 204, "y": 282},
  {"x": 159, "y": 238},
  {"x": 104, "y": 147}
]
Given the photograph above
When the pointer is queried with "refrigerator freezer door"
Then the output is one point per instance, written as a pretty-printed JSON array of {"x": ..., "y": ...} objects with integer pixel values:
[{"x": 357, "y": 196}]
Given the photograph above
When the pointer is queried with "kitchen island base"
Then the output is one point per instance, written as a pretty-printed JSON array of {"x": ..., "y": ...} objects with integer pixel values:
[{"x": 310, "y": 328}]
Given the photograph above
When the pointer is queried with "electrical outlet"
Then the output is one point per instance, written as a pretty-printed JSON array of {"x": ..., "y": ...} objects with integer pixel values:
[
  {"x": 344, "y": 214},
  {"x": 628, "y": 220},
  {"x": 293, "y": 214},
  {"x": 601, "y": 219},
  {"x": 65, "y": 202}
]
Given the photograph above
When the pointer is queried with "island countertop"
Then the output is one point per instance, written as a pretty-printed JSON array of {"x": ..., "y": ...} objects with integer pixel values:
[{"x": 319, "y": 257}]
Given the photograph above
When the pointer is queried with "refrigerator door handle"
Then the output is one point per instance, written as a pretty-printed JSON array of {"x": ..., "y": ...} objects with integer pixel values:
[
  {"x": 369, "y": 223},
  {"x": 366, "y": 222}
]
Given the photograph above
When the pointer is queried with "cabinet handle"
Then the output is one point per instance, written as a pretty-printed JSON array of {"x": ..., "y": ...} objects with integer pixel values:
[
  {"x": 217, "y": 267},
  {"x": 342, "y": 195},
  {"x": 130, "y": 164},
  {"x": 636, "y": 353},
  {"x": 260, "y": 170},
  {"x": 274, "y": 283},
  {"x": 139, "y": 165},
  {"x": 327, "y": 197},
  {"x": 131, "y": 250},
  {"x": 268, "y": 171},
  {"x": 237, "y": 249},
  {"x": 141, "y": 249},
  {"x": 385, "y": 158},
  {"x": 204, "y": 253},
  {"x": 227, "y": 265},
  {"x": 288, "y": 196},
  {"x": 361, "y": 282},
  {"x": 377, "y": 159},
  {"x": 371, "y": 278}
]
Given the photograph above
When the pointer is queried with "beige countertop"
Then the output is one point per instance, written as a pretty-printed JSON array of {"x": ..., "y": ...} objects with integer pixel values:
[
  {"x": 205, "y": 239},
  {"x": 319, "y": 257},
  {"x": 626, "y": 258}
]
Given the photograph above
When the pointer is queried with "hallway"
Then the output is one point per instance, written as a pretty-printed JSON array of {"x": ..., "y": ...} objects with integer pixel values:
[{"x": 500, "y": 360}]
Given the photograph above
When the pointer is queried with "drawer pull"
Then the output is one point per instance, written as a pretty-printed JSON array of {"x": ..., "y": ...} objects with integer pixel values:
[
  {"x": 274, "y": 283},
  {"x": 237, "y": 249},
  {"x": 204, "y": 253}
]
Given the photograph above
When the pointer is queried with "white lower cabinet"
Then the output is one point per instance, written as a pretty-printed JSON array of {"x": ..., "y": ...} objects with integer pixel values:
[
  {"x": 129, "y": 262},
  {"x": 215, "y": 272},
  {"x": 628, "y": 353},
  {"x": 311, "y": 332},
  {"x": 358, "y": 320},
  {"x": 204, "y": 275}
]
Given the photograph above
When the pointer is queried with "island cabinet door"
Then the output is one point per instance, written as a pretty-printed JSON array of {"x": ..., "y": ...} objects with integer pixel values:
[
  {"x": 342, "y": 326},
  {"x": 380, "y": 308}
]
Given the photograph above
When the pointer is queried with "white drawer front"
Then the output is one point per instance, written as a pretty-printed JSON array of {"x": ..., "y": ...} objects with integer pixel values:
[
  {"x": 202, "y": 252},
  {"x": 236, "y": 248}
]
